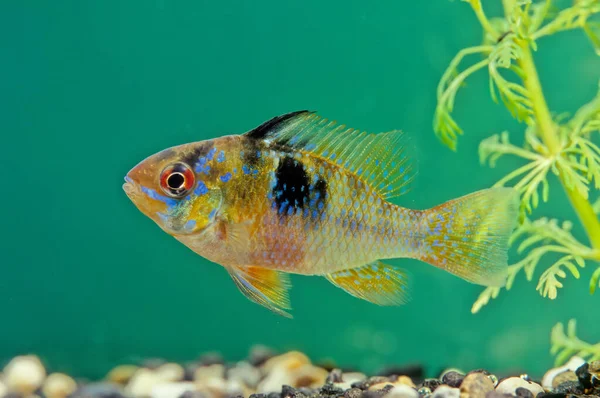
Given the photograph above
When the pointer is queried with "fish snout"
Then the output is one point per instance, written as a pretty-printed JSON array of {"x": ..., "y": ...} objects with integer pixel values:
[{"x": 129, "y": 185}]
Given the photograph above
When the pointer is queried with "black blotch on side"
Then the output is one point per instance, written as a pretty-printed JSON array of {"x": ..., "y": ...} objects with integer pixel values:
[
  {"x": 292, "y": 185},
  {"x": 269, "y": 126},
  {"x": 320, "y": 188},
  {"x": 191, "y": 158}
]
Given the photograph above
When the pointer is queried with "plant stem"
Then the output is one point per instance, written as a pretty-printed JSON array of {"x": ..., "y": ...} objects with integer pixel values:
[
  {"x": 547, "y": 128},
  {"x": 548, "y": 133},
  {"x": 588, "y": 218},
  {"x": 476, "y": 5}
]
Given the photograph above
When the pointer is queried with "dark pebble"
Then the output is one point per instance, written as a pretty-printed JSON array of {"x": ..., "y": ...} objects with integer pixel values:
[
  {"x": 432, "y": 384},
  {"x": 258, "y": 396},
  {"x": 192, "y": 394},
  {"x": 371, "y": 394},
  {"x": 152, "y": 363},
  {"x": 259, "y": 355},
  {"x": 330, "y": 389},
  {"x": 551, "y": 395},
  {"x": 274, "y": 395},
  {"x": 453, "y": 379},
  {"x": 189, "y": 371},
  {"x": 569, "y": 387},
  {"x": 309, "y": 392},
  {"x": 584, "y": 376},
  {"x": 335, "y": 376},
  {"x": 496, "y": 394},
  {"x": 365, "y": 384},
  {"x": 377, "y": 393},
  {"x": 290, "y": 392},
  {"x": 415, "y": 372},
  {"x": 523, "y": 393},
  {"x": 353, "y": 393},
  {"x": 99, "y": 390},
  {"x": 211, "y": 359}
]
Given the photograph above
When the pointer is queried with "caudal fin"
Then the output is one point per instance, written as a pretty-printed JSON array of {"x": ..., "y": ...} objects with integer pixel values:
[{"x": 469, "y": 236}]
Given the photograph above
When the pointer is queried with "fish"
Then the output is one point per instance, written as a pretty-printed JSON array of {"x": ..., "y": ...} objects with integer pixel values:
[{"x": 300, "y": 194}]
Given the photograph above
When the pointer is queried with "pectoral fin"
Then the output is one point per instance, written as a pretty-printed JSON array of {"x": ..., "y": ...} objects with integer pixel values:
[
  {"x": 264, "y": 286},
  {"x": 375, "y": 282}
]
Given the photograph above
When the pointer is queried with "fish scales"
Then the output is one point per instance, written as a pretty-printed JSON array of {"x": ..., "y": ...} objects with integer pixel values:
[{"x": 316, "y": 216}]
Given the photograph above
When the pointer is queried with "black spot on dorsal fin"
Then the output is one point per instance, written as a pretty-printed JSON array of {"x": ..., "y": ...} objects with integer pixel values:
[{"x": 271, "y": 125}]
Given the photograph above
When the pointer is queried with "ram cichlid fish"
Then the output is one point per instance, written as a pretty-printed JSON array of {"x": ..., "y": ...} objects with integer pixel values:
[{"x": 300, "y": 194}]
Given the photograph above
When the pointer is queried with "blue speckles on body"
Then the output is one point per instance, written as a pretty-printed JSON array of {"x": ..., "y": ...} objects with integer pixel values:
[
  {"x": 221, "y": 157},
  {"x": 190, "y": 225},
  {"x": 202, "y": 166},
  {"x": 211, "y": 153},
  {"x": 226, "y": 177},
  {"x": 152, "y": 194},
  {"x": 201, "y": 189}
]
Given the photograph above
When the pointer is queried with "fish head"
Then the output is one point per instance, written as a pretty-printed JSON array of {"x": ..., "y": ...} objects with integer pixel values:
[{"x": 173, "y": 188}]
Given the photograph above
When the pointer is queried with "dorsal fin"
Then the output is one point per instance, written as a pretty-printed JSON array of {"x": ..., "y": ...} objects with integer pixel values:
[
  {"x": 379, "y": 159},
  {"x": 272, "y": 125}
]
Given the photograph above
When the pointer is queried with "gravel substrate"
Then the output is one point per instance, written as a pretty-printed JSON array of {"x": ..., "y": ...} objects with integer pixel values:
[{"x": 290, "y": 375}]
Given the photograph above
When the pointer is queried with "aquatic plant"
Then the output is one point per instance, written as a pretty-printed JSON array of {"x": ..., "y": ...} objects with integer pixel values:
[
  {"x": 565, "y": 345},
  {"x": 560, "y": 145}
]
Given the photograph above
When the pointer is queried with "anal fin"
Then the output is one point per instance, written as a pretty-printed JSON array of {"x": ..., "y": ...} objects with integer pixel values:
[
  {"x": 376, "y": 282},
  {"x": 264, "y": 286}
]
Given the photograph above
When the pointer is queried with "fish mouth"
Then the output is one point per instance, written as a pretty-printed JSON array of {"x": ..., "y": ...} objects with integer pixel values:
[{"x": 130, "y": 187}]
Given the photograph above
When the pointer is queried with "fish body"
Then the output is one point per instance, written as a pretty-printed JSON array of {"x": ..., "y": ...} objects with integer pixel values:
[{"x": 302, "y": 195}]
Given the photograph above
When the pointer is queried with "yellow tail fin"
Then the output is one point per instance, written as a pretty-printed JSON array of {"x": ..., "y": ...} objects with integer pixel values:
[{"x": 469, "y": 236}]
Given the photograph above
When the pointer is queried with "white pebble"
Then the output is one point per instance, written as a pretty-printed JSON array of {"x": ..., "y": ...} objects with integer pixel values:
[
  {"x": 246, "y": 373},
  {"x": 59, "y": 385},
  {"x": 235, "y": 387},
  {"x": 170, "y": 372},
  {"x": 3, "y": 389},
  {"x": 24, "y": 374},
  {"x": 510, "y": 385},
  {"x": 141, "y": 383},
  {"x": 446, "y": 392},
  {"x": 573, "y": 364},
  {"x": 349, "y": 379},
  {"x": 212, "y": 387},
  {"x": 353, "y": 377},
  {"x": 171, "y": 390},
  {"x": 209, "y": 372},
  {"x": 402, "y": 391},
  {"x": 274, "y": 380}
]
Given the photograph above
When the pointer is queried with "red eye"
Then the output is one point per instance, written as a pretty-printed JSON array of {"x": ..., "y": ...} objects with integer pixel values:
[{"x": 177, "y": 180}]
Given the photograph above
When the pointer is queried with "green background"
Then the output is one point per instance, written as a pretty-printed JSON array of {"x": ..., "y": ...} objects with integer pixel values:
[{"x": 88, "y": 89}]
